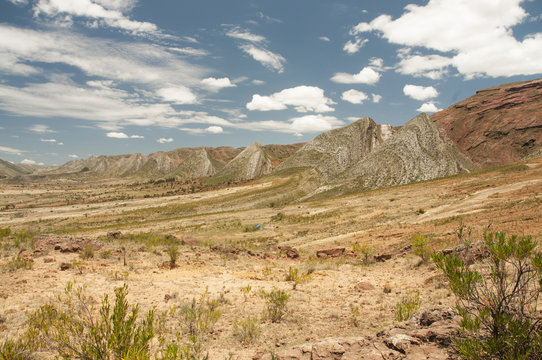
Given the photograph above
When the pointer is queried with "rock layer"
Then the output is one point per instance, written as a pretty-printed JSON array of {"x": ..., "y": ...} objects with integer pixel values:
[
  {"x": 251, "y": 163},
  {"x": 498, "y": 125},
  {"x": 415, "y": 152},
  {"x": 334, "y": 151}
]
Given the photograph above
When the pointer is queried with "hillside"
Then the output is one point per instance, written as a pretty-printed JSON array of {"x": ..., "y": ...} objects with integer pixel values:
[
  {"x": 415, "y": 152},
  {"x": 198, "y": 164},
  {"x": 498, "y": 125},
  {"x": 336, "y": 150},
  {"x": 251, "y": 163},
  {"x": 9, "y": 169}
]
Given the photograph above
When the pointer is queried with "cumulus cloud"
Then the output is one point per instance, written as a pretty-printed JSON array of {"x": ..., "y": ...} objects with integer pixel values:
[
  {"x": 215, "y": 130},
  {"x": 178, "y": 95},
  {"x": 481, "y": 44},
  {"x": 73, "y": 156},
  {"x": 431, "y": 66},
  {"x": 38, "y": 128},
  {"x": 214, "y": 84},
  {"x": 376, "y": 98},
  {"x": 265, "y": 57},
  {"x": 428, "y": 108},
  {"x": 367, "y": 75},
  {"x": 164, "y": 140},
  {"x": 352, "y": 47},
  {"x": 420, "y": 92},
  {"x": 302, "y": 98},
  {"x": 354, "y": 96},
  {"x": 295, "y": 126},
  {"x": 121, "y": 135},
  {"x": 10, "y": 150}
]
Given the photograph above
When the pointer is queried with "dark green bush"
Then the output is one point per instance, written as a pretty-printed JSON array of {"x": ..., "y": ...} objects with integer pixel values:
[{"x": 497, "y": 299}]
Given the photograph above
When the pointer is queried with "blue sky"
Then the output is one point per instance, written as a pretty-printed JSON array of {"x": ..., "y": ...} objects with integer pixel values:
[{"x": 92, "y": 77}]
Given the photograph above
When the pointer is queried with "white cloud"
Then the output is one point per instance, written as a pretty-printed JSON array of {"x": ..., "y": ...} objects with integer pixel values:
[
  {"x": 215, "y": 130},
  {"x": 48, "y": 140},
  {"x": 103, "y": 13},
  {"x": 296, "y": 126},
  {"x": 324, "y": 38},
  {"x": 190, "y": 51},
  {"x": 10, "y": 150},
  {"x": 482, "y": 43},
  {"x": 430, "y": 66},
  {"x": 354, "y": 96},
  {"x": 265, "y": 57},
  {"x": 19, "y": 2},
  {"x": 420, "y": 92},
  {"x": 73, "y": 156},
  {"x": 302, "y": 98},
  {"x": 215, "y": 84},
  {"x": 164, "y": 140},
  {"x": 366, "y": 76},
  {"x": 37, "y": 128},
  {"x": 428, "y": 107},
  {"x": 237, "y": 32},
  {"x": 137, "y": 137},
  {"x": 376, "y": 98},
  {"x": 178, "y": 95},
  {"x": 268, "y": 19},
  {"x": 117, "y": 135},
  {"x": 258, "y": 82},
  {"x": 30, "y": 162},
  {"x": 132, "y": 63},
  {"x": 352, "y": 47}
]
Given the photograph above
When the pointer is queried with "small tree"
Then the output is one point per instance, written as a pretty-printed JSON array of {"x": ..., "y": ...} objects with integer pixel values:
[{"x": 497, "y": 299}]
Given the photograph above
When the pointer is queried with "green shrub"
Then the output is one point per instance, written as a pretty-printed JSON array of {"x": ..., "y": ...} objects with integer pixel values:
[
  {"x": 14, "y": 350},
  {"x": 276, "y": 304},
  {"x": 407, "y": 307},
  {"x": 198, "y": 317},
  {"x": 88, "y": 253},
  {"x": 356, "y": 314},
  {"x": 296, "y": 278},
  {"x": 173, "y": 252},
  {"x": 4, "y": 232},
  {"x": 497, "y": 299},
  {"x": 420, "y": 246},
  {"x": 247, "y": 330},
  {"x": 363, "y": 251},
  {"x": 17, "y": 263},
  {"x": 72, "y": 327}
]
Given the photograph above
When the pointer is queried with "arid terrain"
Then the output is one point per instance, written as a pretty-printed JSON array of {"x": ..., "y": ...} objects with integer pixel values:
[{"x": 235, "y": 242}]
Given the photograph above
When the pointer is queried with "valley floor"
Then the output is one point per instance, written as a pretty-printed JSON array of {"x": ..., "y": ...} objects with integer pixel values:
[{"x": 226, "y": 253}]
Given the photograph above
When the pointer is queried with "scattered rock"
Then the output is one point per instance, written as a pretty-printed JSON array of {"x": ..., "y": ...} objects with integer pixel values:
[
  {"x": 65, "y": 266},
  {"x": 48, "y": 260},
  {"x": 335, "y": 252},
  {"x": 289, "y": 251},
  {"x": 382, "y": 257},
  {"x": 114, "y": 234},
  {"x": 68, "y": 247},
  {"x": 364, "y": 286}
]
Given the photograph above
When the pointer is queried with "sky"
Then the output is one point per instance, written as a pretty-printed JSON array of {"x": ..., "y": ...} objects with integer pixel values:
[{"x": 105, "y": 77}]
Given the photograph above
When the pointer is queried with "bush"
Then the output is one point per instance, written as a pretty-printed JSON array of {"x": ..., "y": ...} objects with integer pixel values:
[
  {"x": 247, "y": 330},
  {"x": 199, "y": 317},
  {"x": 420, "y": 246},
  {"x": 88, "y": 253},
  {"x": 296, "y": 278},
  {"x": 407, "y": 307},
  {"x": 17, "y": 262},
  {"x": 276, "y": 304},
  {"x": 73, "y": 328},
  {"x": 173, "y": 252},
  {"x": 497, "y": 299},
  {"x": 14, "y": 350}
]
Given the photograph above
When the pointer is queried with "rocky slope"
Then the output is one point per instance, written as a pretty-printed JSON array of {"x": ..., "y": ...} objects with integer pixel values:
[
  {"x": 415, "y": 152},
  {"x": 9, "y": 169},
  {"x": 198, "y": 164},
  {"x": 251, "y": 163},
  {"x": 497, "y": 125},
  {"x": 334, "y": 151}
]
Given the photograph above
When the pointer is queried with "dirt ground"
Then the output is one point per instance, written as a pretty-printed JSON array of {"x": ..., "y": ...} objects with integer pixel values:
[{"x": 226, "y": 254}]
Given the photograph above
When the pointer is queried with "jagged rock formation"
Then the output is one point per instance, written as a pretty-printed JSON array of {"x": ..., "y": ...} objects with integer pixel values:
[
  {"x": 334, "y": 151},
  {"x": 428, "y": 335},
  {"x": 415, "y": 152},
  {"x": 251, "y": 163},
  {"x": 9, "y": 169},
  {"x": 498, "y": 125},
  {"x": 198, "y": 164}
]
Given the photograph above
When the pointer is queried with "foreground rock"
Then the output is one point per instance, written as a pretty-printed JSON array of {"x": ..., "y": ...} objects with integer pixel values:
[
  {"x": 498, "y": 125},
  {"x": 428, "y": 335}
]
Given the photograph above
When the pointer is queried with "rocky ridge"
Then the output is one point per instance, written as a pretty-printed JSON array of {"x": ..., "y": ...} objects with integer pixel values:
[
  {"x": 251, "y": 163},
  {"x": 334, "y": 151},
  {"x": 197, "y": 165},
  {"x": 498, "y": 125},
  {"x": 415, "y": 152}
]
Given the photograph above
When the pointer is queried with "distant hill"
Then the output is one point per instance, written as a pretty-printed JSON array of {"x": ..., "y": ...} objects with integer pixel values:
[
  {"x": 197, "y": 165},
  {"x": 251, "y": 163},
  {"x": 336, "y": 150},
  {"x": 498, "y": 125},
  {"x": 9, "y": 169},
  {"x": 415, "y": 152}
]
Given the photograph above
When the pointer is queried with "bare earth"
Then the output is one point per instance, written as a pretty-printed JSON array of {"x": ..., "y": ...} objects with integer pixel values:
[{"x": 222, "y": 254}]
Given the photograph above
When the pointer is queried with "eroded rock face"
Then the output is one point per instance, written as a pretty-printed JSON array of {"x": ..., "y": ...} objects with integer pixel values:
[
  {"x": 251, "y": 163},
  {"x": 415, "y": 152},
  {"x": 334, "y": 151},
  {"x": 198, "y": 164},
  {"x": 498, "y": 125},
  {"x": 428, "y": 335}
]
